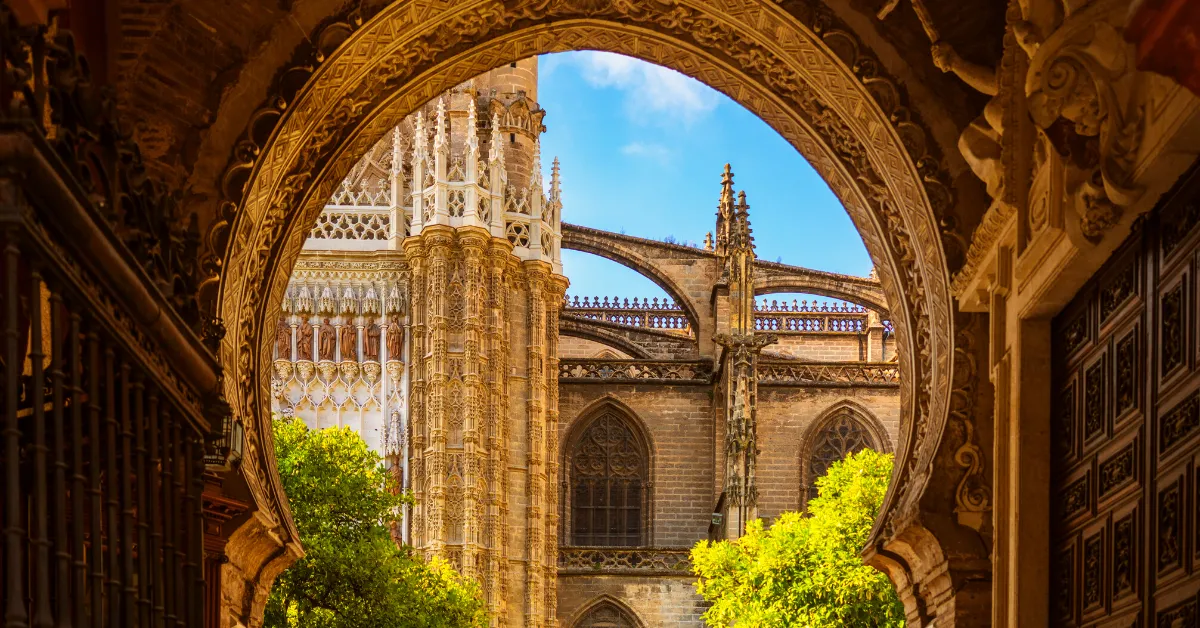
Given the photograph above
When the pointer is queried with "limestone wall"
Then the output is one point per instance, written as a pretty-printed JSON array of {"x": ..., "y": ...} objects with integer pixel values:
[{"x": 655, "y": 600}]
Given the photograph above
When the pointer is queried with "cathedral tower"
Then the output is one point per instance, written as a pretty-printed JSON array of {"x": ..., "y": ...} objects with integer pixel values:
[
  {"x": 424, "y": 314},
  {"x": 486, "y": 285}
]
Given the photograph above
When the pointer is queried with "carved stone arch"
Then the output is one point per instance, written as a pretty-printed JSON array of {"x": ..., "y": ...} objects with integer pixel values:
[
  {"x": 582, "y": 328},
  {"x": 606, "y": 611},
  {"x": 831, "y": 425},
  {"x": 624, "y": 256},
  {"x": 609, "y": 411},
  {"x": 775, "y": 60},
  {"x": 790, "y": 287},
  {"x": 865, "y": 292}
]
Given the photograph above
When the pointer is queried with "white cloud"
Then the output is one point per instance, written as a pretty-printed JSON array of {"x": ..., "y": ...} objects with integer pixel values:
[
  {"x": 656, "y": 152},
  {"x": 652, "y": 93}
]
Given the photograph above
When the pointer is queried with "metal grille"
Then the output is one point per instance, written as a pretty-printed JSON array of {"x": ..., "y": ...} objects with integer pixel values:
[{"x": 608, "y": 476}]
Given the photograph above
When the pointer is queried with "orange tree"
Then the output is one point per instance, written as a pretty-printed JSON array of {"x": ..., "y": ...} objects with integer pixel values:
[
  {"x": 353, "y": 575},
  {"x": 805, "y": 570}
]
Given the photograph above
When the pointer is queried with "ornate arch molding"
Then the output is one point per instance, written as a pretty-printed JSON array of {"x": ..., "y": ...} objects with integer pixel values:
[
  {"x": 644, "y": 267},
  {"x": 606, "y": 601},
  {"x": 849, "y": 121},
  {"x": 876, "y": 436},
  {"x": 608, "y": 404}
]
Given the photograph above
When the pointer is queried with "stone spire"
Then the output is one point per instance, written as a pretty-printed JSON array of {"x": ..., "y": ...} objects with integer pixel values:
[
  {"x": 555, "y": 183},
  {"x": 739, "y": 383},
  {"x": 496, "y": 148},
  {"x": 725, "y": 209},
  {"x": 740, "y": 233}
]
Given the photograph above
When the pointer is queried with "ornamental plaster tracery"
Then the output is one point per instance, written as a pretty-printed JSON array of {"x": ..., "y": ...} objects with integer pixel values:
[{"x": 891, "y": 186}]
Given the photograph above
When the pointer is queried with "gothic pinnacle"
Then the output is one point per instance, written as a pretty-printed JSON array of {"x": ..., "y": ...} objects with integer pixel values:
[
  {"x": 536, "y": 174},
  {"x": 555, "y": 182},
  {"x": 472, "y": 132},
  {"x": 496, "y": 150},
  {"x": 419, "y": 138},
  {"x": 397, "y": 152},
  {"x": 439, "y": 142}
]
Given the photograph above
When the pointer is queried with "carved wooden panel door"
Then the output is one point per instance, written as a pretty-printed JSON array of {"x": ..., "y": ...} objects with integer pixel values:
[{"x": 1125, "y": 441}]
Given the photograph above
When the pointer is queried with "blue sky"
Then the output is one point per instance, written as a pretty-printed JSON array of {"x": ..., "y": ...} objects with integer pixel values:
[{"x": 642, "y": 149}]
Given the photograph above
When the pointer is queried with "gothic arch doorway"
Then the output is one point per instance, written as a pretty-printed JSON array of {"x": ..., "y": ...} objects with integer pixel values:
[{"x": 856, "y": 131}]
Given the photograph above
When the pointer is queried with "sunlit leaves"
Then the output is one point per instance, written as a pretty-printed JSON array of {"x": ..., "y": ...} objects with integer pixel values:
[
  {"x": 805, "y": 570},
  {"x": 353, "y": 575}
]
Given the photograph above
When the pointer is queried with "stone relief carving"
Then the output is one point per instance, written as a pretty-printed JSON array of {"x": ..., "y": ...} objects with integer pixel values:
[{"x": 1080, "y": 96}]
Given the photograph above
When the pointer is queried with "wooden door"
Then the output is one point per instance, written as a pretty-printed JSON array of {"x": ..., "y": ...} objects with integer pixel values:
[{"x": 1126, "y": 433}]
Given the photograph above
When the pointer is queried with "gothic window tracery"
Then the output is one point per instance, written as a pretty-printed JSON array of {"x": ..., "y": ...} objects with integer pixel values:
[
  {"x": 608, "y": 477},
  {"x": 843, "y": 433},
  {"x": 607, "y": 615}
]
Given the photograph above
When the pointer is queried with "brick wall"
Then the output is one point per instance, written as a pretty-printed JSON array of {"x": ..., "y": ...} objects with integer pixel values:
[
  {"x": 680, "y": 425},
  {"x": 681, "y": 429},
  {"x": 658, "y": 601},
  {"x": 785, "y": 416},
  {"x": 824, "y": 347}
]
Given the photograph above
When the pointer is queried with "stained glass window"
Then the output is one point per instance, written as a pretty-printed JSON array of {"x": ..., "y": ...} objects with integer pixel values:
[{"x": 608, "y": 477}]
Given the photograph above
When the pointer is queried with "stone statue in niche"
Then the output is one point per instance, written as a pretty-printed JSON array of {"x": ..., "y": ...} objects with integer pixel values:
[
  {"x": 304, "y": 342},
  {"x": 328, "y": 340},
  {"x": 372, "y": 346},
  {"x": 979, "y": 143},
  {"x": 283, "y": 340},
  {"x": 349, "y": 343},
  {"x": 395, "y": 339}
]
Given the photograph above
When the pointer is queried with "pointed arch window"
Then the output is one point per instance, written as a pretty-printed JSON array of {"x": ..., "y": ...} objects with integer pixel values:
[
  {"x": 607, "y": 615},
  {"x": 608, "y": 484},
  {"x": 841, "y": 434}
]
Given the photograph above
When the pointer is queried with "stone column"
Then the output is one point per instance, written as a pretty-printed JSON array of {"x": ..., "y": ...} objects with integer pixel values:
[
  {"x": 536, "y": 275},
  {"x": 473, "y": 241},
  {"x": 438, "y": 239},
  {"x": 556, "y": 289},
  {"x": 497, "y": 338},
  {"x": 499, "y": 440},
  {"x": 416, "y": 255}
]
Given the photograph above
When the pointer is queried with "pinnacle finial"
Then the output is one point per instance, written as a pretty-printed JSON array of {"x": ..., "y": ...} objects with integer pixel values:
[
  {"x": 419, "y": 137},
  {"x": 536, "y": 175},
  {"x": 397, "y": 152},
  {"x": 496, "y": 150},
  {"x": 440, "y": 140},
  {"x": 472, "y": 121},
  {"x": 555, "y": 181}
]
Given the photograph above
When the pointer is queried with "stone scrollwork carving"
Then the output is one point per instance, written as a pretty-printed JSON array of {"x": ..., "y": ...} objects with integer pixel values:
[{"x": 1079, "y": 87}]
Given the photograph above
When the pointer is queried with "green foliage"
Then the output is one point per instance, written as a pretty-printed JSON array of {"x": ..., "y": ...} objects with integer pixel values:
[
  {"x": 353, "y": 575},
  {"x": 805, "y": 570}
]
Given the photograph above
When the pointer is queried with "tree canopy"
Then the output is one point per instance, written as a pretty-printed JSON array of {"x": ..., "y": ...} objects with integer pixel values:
[
  {"x": 805, "y": 570},
  {"x": 353, "y": 574}
]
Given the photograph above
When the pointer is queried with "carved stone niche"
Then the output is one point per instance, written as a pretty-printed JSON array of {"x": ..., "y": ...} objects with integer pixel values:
[
  {"x": 1108, "y": 140},
  {"x": 1083, "y": 95}
]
